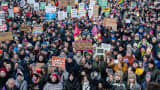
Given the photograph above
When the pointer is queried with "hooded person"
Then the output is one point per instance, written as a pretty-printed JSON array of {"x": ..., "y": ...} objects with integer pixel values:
[
  {"x": 3, "y": 77},
  {"x": 20, "y": 82},
  {"x": 35, "y": 82},
  {"x": 132, "y": 82},
  {"x": 53, "y": 83},
  {"x": 72, "y": 83}
]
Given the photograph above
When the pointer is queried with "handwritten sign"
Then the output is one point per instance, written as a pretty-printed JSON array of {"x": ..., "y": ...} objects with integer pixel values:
[
  {"x": 83, "y": 45},
  {"x": 58, "y": 61},
  {"x": 110, "y": 22},
  {"x": 95, "y": 11},
  {"x": 24, "y": 27},
  {"x": 6, "y": 36}
]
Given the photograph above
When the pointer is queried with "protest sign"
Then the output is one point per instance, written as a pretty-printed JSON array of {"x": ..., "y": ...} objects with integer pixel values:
[
  {"x": 24, "y": 27},
  {"x": 50, "y": 12},
  {"x": 69, "y": 9},
  {"x": 58, "y": 61},
  {"x": 83, "y": 45},
  {"x": 3, "y": 27},
  {"x": 36, "y": 6},
  {"x": 107, "y": 47},
  {"x": 2, "y": 15},
  {"x": 50, "y": 9},
  {"x": 42, "y": 5},
  {"x": 100, "y": 51},
  {"x": 0, "y": 21},
  {"x": 110, "y": 22},
  {"x": 103, "y": 3},
  {"x": 16, "y": 9},
  {"x": 95, "y": 11},
  {"x": 71, "y": 2},
  {"x": 22, "y": 3},
  {"x": 62, "y": 3},
  {"x": 73, "y": 13},
  {"x": 6, "y": 36},
  {"x": 11, "y": 13},
  {"x": 4, "y": 6},
  {"x": 37, "y": 29},
  {"x": 61, "y": 15}
]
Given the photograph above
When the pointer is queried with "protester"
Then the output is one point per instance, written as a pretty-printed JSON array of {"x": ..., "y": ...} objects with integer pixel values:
[{"x": 79, "y": 44}]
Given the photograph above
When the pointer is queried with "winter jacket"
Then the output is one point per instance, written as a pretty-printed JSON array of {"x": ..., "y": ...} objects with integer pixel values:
[
  {"x": 100, "y": 65},
  {"x": 50, "y": 86},
  {"x": 154, "y": 72},
  {"x": 136, "y": 86},
  {"x": 22, "y": 85},
  {"x": 129, "y": 59},
  {"x": 72, "y": 85},
  {"x": 124, "y": 66}
]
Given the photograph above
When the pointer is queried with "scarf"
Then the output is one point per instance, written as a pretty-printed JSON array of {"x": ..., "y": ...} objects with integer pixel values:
[{"x": 36, "y": 81}]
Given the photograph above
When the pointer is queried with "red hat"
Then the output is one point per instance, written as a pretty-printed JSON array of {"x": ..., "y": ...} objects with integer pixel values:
[
  {"x": 4, "y": 70},
  {"x": 54, "y": 75}
]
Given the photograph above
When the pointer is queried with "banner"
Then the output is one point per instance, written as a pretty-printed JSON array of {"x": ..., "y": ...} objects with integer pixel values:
[
  {"x": 37, "y": 29},
  {"x": 58, "y": 61},
  {"x": 42, "y": 5},
  {"x": 110, "y": 22},
  {"x": 6, "y": 36},
  {"x": 4, "y": 6},
  {"x": 95, "y": 11},
  {"x": 73, "y": 13},
  {"x": 3, "y": 27},
  {"x": 16, "y": 9},
  {"x": 50, "y": 16},
  {"x": 82, "y": 45}
]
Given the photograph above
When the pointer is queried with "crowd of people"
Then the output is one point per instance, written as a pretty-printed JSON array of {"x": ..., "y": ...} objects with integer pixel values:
[{"x": 132, "y": 63}]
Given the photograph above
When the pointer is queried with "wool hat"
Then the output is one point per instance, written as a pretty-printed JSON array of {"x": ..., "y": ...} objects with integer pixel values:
[
  {"x": 54, "y": 75},
  {"x": 3, "y": 70}
]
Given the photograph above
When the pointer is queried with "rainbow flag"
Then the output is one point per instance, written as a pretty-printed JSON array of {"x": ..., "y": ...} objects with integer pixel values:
[
  {"x": 76, "y": 33},
  {"x": 95, "y": 33},
  {"x": 120, "y": 2}
]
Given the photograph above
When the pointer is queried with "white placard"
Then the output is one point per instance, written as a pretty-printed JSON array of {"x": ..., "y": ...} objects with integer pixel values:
[
  {"x": 49, "y": 9},
  {"x": 61, "y": 15},
  {"x": 107, "y": 47},
  {"x": 36, "y": 6},
  {"x": 11, "y": 13},
  {"x": 74, "y": 13},
  {"x": 22, "y": 3}
]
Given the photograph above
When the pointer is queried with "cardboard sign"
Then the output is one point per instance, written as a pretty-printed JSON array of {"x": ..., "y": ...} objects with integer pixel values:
[
  {"x": 62, "y": 3},
  {"x": 71, "y": 3},
  {"x": 73, "y": 13},
  {"x": 95, "y": 11},
  {"x": 24, "y": 27},
  {"x": 4, "y": 6},
  {"x": 110, "y": 22},
  {"x": 3, "y": 27},
  {"x": 37, "y": 29},
  {"x": 6, "y": 36},
  {"x": 58, "y": 61},
  {"x": 16, "y": 9},
  {"x": 83, "y": 45}
]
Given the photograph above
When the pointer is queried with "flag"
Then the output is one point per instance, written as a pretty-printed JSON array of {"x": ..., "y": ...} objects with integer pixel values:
[
  {"x": 95, "y": 33},
  {"x": 120, "y": 2},
  {"x": 76, "y": 33}
]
